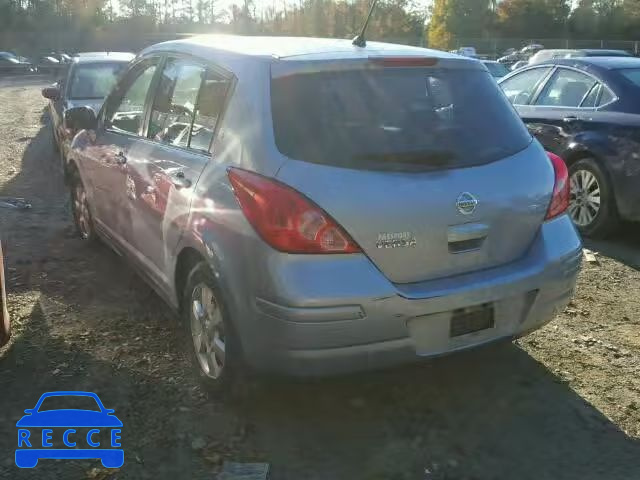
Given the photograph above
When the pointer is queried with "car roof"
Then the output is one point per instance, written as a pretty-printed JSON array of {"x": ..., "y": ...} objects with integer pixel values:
[
  {"x": 555, "y": 50},
  {"x": 490, "y": 61},
  {"x": 604, "y": 63},
  {"x": 104, "y": 57},
  {"x": 288, "y": 47}
]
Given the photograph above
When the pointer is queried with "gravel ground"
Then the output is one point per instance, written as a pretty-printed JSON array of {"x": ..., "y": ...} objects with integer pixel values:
[{"x": 562, "y": 403}]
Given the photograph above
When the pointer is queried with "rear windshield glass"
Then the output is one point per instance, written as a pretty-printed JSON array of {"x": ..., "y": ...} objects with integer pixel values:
[
  {"x": 607, "y": 53},
  {"x": 94, "y": 81},
  {"x": 631, "y": 74},
  {"x": 395, "y": 118}
]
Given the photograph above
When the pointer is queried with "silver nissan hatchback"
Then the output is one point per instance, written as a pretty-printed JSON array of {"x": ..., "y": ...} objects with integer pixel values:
[{"x": 314, "y": 207}]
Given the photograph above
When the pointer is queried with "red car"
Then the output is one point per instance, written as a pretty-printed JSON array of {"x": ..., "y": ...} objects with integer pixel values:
[{"x": 5, "y": 329}]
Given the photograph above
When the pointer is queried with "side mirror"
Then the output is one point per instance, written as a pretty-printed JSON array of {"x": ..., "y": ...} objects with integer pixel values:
[
  {"x": 80, "y": 118},
  {"x": 28, "y": 411},
  {"x": 52, "y": 93}
]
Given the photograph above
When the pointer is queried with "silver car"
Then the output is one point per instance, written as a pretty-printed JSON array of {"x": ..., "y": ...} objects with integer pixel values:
[
  {"x": 86, "y": 81},
  {"x": 313, "y": 207}
]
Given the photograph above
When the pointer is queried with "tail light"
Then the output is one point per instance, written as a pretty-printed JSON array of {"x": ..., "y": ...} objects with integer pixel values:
[
  {"x": 404, "y": 61},
  {"x": 560, "y": 197},
  {"x": 286, "y": 219}
]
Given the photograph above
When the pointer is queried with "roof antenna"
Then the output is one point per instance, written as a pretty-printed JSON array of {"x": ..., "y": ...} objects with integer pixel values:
[{"x": 359, "y": 40}]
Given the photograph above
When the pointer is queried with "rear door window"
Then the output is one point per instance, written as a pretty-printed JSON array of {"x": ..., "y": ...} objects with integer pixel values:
[
  {"x": 591, "y": 100},
  {"x": 520, "y": 88},
  {"x": 606, "y": 96},
  {"x": 567, "y": 88},
  {"x": 187, "y": 105},
  {"x": 395, "y": 118}
]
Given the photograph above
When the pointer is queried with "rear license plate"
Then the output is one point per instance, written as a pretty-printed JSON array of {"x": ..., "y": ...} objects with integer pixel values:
[{"x": 472, "y": 319}]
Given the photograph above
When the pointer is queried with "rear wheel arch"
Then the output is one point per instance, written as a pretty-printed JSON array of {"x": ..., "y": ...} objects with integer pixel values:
[
  {"x": 572, "y": 156},
  {"x": 193, "y": 271},
  {"x": 187, "y": 259}
]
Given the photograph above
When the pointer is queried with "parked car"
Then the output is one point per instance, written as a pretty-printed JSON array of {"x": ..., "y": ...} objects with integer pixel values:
[
  {"x": 466, "y": 52},
  {"x": 496, "y": 69},
  {"x": 586, "y": 111},
  {"x": 510, "y": 59},
  {"x": 550, "y": 54},
  {"x": 517, "y": 65},
  {"x": 13, "y": 65},
  {"x": 310, "y": 207},
  {"x": 87, "y": 81},
  {"x": 97, "y": 54},
  {"x": 49, "y": 65},
  {"x": 5, "y": 324},
  {"x": 531, "y": 48}
]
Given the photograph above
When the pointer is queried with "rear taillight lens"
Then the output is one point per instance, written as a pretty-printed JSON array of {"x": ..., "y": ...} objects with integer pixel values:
[
  {"x": 560, "y": 198},
  {"x": 404, "y": 61},
  {"x": 285, "y": 218}
]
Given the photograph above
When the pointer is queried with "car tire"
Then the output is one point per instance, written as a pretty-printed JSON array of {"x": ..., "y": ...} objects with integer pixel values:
[
  {"x": 210, "y": 336},
  {"x": 80, "y": 208},
  {"x": 592, "y": 204}
]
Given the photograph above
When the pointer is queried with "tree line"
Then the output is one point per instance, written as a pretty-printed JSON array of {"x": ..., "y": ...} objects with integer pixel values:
[
  {"x": 438, "y": 25},
  {"x": 590, "y": 19},
  {"x": 329, "y": 18}
]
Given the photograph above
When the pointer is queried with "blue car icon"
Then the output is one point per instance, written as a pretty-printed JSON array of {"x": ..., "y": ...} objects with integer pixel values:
[{"x": 31, "y": 448}]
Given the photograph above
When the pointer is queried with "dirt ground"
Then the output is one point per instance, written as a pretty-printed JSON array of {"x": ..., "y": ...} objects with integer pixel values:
[{"x": 562, "y": 403}]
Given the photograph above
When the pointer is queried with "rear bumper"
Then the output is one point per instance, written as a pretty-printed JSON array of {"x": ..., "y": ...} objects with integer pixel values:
[{"x": 321, "y": 319}]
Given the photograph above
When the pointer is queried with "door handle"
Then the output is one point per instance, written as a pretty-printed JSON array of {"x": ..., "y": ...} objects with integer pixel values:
[
  {"x": 467, "y": 231},
  {"x": 569, "y": 119},
  {"x": 179, "y": 180},
  {"x": 120, "y": 158}
]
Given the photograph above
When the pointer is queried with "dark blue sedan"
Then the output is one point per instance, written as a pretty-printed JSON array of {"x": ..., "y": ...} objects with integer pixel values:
[{"x": 587, "y": 110}]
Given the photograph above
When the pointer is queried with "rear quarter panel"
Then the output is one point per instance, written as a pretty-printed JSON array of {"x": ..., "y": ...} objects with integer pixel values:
[{"x": 613, "y": 139}]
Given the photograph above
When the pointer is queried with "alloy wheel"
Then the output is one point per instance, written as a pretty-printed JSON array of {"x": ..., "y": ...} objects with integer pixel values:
[
  {"x": 585, "y": 199},
  {"x": 207, "y": 331}
]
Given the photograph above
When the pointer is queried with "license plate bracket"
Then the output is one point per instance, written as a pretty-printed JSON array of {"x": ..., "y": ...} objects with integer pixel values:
[{"x": 471, "y": 320}]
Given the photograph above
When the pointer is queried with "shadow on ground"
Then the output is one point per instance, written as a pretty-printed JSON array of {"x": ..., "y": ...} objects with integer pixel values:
[
  {"x": 623, "y": 246},
  {"x": 88, "y": 323}
]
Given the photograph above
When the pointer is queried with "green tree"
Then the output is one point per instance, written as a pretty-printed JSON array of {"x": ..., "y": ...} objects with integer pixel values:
[
  {"x": 451, "y": 19},
  {"x": 533, "y": 18},
  {"x": 439, "y": 34},
  {"x": 583, "y": 22}
]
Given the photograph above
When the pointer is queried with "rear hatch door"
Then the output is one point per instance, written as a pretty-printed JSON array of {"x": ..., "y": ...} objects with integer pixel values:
[{"x": 428, "y": 168}]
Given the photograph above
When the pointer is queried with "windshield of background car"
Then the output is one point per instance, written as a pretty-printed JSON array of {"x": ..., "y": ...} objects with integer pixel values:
[
  {"x": 63, "y": 402},
  {"x": 93, "y": 81},
  {"x": 389, "y": 117},
  {"x": 497, "y": 69}
]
